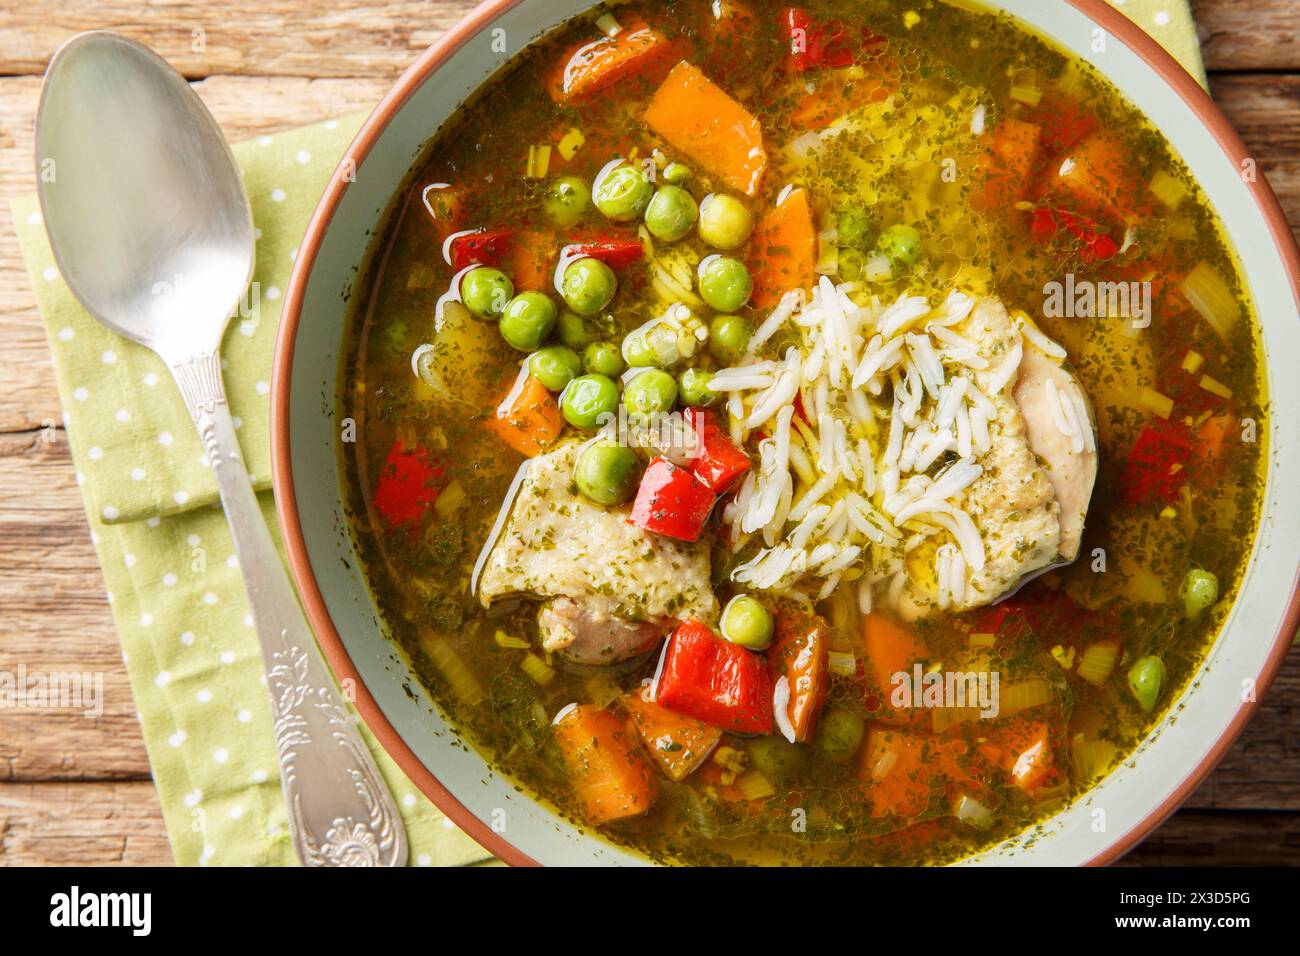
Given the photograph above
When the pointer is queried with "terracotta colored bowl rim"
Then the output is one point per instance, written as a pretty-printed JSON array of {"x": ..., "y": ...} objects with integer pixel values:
[{"x": 1110, "y": 19}]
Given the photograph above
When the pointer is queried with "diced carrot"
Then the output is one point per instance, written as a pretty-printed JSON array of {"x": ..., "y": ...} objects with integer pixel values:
[
  {"x": 1064, "y": 119},
  {"x": 1021, "y": 747},
  {"x": 889, "y": 649},
  {"x": 783, "y": 250},
  {"x": 834, "y": 95},
  {"x": 730, "y": 19},
  {"x": 443, "y": 206},
  {"x": 1211, "y": 448},
  {"x": 729, "y": 33},
  {"x": 713, "y": 779},
  {"x": 531, "y": 262},
  {"x": 527, "y": 419},
  {"x": 679, "y": 744},
  {"x": 592, "y": 66},
  {"x": 609, "y": 778},
  {"x": 1013, "y": 155},
  {"x": 903, "y": 772},
  {"x": 1095, "y": 179},
  {"x": 697, "y": 117},
  {"x": 798, "y": 653}
]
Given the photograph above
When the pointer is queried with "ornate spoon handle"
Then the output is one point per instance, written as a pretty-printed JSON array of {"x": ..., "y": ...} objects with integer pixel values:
[{"x": 340, "y": 811}]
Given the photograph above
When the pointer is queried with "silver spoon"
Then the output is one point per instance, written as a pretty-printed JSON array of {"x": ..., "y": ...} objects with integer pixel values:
[{"x": 150, "y": 226}]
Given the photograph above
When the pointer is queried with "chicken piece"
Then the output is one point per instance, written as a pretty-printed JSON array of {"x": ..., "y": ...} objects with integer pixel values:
[
  {"x": 1012, "y": 502},
  {"x": 589, "y": 632},
  {"x": 557, "y": 544},
  {"x": 1072, "y": 474}
]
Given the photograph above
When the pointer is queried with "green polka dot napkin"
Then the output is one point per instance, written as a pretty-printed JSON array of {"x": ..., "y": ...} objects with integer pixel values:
[
  {"x": 173, "y": 581},
  {"x": 177, "y": 595}
]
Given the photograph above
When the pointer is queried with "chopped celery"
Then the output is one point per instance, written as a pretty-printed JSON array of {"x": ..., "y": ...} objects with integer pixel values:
[{"x": 1210, "y": 296}]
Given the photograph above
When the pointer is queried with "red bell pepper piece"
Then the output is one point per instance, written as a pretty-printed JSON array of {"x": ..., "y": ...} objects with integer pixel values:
[
  {"x": 1094, "y": 243},
  {"x": 487, "y": 247},
  {"x": 406, "y": 489},
  {"x": 716, "y": 462},
  {"x": 671, "y": 501},
  {"x": 817, "y": 44},
  {"x": 1157, "y": 465},
  {"x": 615, "y": 253},
  {"x": 709, "y": 678}
]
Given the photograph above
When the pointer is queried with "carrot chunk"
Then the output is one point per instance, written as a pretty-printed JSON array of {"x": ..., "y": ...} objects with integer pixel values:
[
  {"x": 1096, "y": 179},
  {"x": 527, "y": 419},
  {"x": 698, "y": 118},
  {"x": 608, "y": 776},
  {"x": 1012, "y": 157},
  {"x": 679, "y": 744},
  {"x": 1023, "y": 749},
  {"x": 903, "y": 772},
  {"x": 889, "y": 649},
  {"x": 783, "y": 250},
  {"x": 592, "y": 66},
  {"x": 531, "y": 262},
  {"x": 798, "y": 654}
]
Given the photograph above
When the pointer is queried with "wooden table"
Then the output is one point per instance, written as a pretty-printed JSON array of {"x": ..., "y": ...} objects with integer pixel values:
[{"x": 74, "y": 790}]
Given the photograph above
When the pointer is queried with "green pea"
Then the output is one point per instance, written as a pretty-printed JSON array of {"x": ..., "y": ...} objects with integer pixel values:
[
  {"x": 671, "y": 213},
  {"x": 1146, "y": 679},
  {"x": 607, "y": 472},
  {"x": 729, "y": 337},
  {"x": 901, "y": 244},
  {"x": 566, "y": 201},
  {"x": 676, "y": 173},
  {"x": 725, "y": 283},
  {"x": 747, "y": 623},
  {"x": 574, "y": 330},
  {"x": 852, "y": 227},
  {"x": 623, "y": 193},
  {"x": 693, "y": 385},
  {"x": 851, "y": 264},
  {"x": 637, "y": 350},
  {"x": 725, "y": 223},
  {"x": 603, "y": 358},
  {"x": 1200, "y": 590},
  {"x": 839, "y": 735},
  {"x": 776, "y": 758},
  {"x": 486, "y": 292},
  {"x": 650, "y": 392},
  {"x": 528, "y": 320},
  {"x": 588, "y": 285},
  {"x": 555, "y": 367},
  {"x": 587, "y": 399}
]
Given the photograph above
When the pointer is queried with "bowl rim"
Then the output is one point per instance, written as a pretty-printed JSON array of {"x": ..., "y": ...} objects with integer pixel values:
[{"x": 1107, "y": 17}]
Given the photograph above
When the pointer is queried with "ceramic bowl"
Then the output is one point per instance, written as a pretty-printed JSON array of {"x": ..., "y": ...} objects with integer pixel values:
[{"x": 1101, "y": 825}]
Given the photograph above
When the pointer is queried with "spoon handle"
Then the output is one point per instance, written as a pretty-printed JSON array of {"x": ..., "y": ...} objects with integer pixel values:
[{"x": 340, "y": 811}]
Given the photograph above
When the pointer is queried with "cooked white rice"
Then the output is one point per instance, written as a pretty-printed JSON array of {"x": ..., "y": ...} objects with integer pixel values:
[{"x": 841, "y": 493}]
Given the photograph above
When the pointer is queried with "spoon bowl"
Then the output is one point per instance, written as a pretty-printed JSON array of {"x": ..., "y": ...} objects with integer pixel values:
[{"x": 156, "y": 242}]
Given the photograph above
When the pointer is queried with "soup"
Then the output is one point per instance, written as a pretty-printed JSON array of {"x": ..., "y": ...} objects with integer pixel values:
[{"x": 803, "y": 435}]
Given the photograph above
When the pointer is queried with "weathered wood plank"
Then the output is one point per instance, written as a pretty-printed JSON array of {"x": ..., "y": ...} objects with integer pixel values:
[
  {"x": 1248, "y": 34},
  {"x": 54, "y": 618},
  {"x": 1207, "y": 838},
  {"x": 271, "y": 38},
  {"x": 85, "y": 824},
  {"x": 344, "y": 38}
]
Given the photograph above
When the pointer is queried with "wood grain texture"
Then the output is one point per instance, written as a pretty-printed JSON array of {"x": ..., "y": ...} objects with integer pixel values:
[
  {"x": 76, "y": 790},
  {"x": 85, "y": 824},
  {"x": 1241, "y": 35}
]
